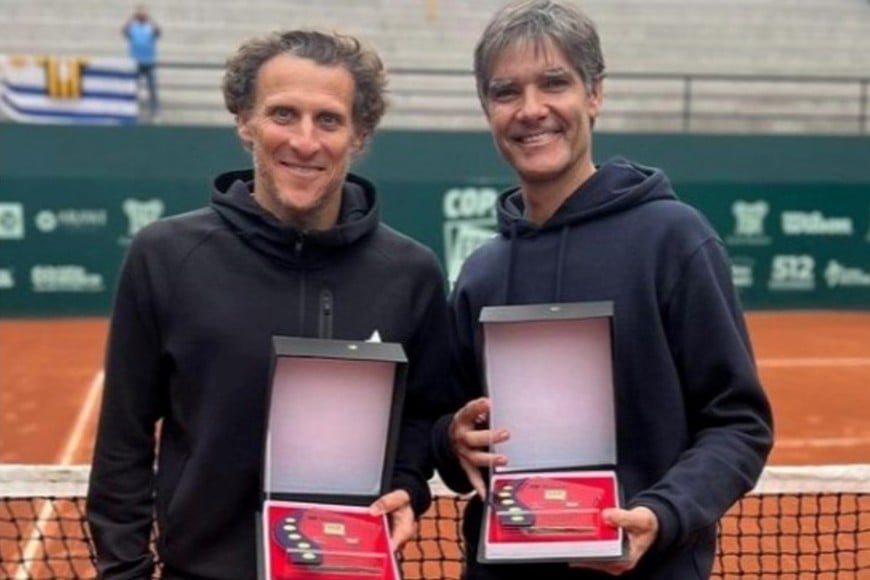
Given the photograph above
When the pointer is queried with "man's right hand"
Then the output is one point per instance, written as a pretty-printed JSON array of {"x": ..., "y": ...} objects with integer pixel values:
[{"x": 470, "y": 439}]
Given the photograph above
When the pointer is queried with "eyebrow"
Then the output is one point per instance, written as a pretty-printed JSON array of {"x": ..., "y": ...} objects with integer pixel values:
[
  {"x": 271, "y": 108},
  {"x": 559, "y": 72},
  {"x": 551, "y": 73},
  {"x": 499, "y": 84}
]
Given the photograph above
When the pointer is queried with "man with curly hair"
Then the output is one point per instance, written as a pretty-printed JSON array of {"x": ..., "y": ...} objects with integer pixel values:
[{"x": 292, "y": 247}]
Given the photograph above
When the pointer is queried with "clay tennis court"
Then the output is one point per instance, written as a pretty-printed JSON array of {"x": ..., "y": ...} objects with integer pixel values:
[{"x": 815, "y": 366}]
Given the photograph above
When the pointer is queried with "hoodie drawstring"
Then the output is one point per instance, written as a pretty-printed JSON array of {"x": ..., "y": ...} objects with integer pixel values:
[
  {"x": 509, "y": 271},
  {"x": 560, "y": 264},
  {"x": 324, "y": 320}
]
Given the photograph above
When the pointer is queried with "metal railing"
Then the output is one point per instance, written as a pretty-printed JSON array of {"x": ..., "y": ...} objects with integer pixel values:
[
  {"x": 634, "y": 101},
  {"x": 836, "y": 102},
  {"x": 445, "y": 99}
]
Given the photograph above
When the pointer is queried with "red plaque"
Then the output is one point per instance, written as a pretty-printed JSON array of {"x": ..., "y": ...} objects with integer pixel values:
[{"x": 322, "y": 542}]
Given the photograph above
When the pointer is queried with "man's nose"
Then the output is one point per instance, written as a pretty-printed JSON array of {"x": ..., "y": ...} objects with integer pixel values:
[
  {"x": 533, "y": 105},
  {"x": 303, "y": 139}
]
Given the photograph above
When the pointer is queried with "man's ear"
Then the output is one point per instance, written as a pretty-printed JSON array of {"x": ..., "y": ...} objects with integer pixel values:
[
  {"x": 243, "y": 129},
  {"x": 484, "y": 104},
  {"x": 358, "y": 142},
  {"x": 596, "y": 98}
]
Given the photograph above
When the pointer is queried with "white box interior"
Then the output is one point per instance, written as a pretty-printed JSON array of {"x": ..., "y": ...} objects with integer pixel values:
[
  {"x": 328, "y": 425},
  {"x": 551, "y": 386}
]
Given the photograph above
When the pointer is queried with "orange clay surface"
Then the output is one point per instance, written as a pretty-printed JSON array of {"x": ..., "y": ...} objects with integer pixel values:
[{"x": 815, "y": 367}]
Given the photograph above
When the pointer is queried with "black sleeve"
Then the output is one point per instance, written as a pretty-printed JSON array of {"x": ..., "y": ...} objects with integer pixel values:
[
  {"x": 730, "y": 416},
  {"x": 465, "y": 386},
  {"x": 425, "y": 396},
  {"x": 120, "y": 492}
]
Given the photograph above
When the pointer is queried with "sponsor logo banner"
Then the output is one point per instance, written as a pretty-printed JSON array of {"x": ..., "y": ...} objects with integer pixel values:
[
  {"x": 809, "y": 223},
  {"x": 839, "y": 275},
  {"x": 7, "y": 279},
  {"x": 749, "y": 219},
  {"x": 469, "y": 221},
  {"x": 743, "y": 272},
  {"x": 11, "y": 221},
  {"x": 70, "y": 278},
  {"x": 48, "y": 221},
  {"x": 139, "y": 214},
  {"x": 792, "y": 272}
]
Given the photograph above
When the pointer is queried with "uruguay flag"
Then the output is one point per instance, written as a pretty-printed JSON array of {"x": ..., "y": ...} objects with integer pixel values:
[{"x": 61, "y": 89}]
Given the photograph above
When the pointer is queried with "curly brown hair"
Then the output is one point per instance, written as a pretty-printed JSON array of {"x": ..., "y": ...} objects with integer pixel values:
[{"x": 327, "y": 49}]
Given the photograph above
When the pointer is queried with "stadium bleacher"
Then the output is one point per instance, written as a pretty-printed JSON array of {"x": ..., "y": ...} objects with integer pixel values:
[{"x": 829, "y": 38}]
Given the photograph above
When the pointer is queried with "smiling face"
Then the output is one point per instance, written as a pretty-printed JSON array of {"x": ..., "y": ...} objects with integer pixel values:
[
  {"x": 302, "y": 137},
  {"x": 540, "y": 115}
]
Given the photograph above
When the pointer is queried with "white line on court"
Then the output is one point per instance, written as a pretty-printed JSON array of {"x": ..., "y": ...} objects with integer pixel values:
[
  {"x": 73, "y": 443},
  {"x": 813, "y": 362},
  {"x": 820, "y": 442}
]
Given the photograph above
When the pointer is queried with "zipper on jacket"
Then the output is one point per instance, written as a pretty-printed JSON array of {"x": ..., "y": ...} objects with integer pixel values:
[
  {"x": 298, "y": 245},
  {"x": 302, "y": 292},
  {"x": 325, "y": 314}
]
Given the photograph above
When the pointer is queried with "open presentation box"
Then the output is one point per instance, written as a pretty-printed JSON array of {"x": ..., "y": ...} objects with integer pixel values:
[
  {"x": 548, "y": 372},
  {"x": 334, "y": 411}
]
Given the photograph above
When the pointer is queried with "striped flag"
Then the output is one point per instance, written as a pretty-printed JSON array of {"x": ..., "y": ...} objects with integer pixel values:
[{"x": 62, "y": 89}]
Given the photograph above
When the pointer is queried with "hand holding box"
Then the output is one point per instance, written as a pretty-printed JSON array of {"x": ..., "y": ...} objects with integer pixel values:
[{"x": 549, "y": 379}]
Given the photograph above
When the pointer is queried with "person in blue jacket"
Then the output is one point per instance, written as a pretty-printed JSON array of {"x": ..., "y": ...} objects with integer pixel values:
[
  {"x": 142, "y": 33},
  {"x": 694, "y": 425},
  {"x": 291, "y": 247}
]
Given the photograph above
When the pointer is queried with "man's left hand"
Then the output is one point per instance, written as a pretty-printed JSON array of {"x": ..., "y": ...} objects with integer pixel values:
[
  {"x": 642, "y": 527},
  {"x": 398, "y": 505}
]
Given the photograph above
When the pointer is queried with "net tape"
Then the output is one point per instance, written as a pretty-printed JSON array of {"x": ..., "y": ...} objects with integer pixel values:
[{"x": 799, "y": 522}]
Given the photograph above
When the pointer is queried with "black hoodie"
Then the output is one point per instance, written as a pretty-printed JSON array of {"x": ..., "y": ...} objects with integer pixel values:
[
  {"x": 693, "y": 423},
  {"x": 199, "y": 298}
]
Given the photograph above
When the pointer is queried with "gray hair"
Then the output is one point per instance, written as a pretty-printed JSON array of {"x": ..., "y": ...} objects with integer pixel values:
[
  {"x": 327, "y": 49},
  {"x": 536, "y": 21}
]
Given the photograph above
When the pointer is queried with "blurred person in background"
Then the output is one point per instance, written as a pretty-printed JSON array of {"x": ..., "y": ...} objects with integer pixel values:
[
  {"x": 694, "y": 425},
  {"x": 142, "y": 33},
  {"x": 292, "y": 247}
]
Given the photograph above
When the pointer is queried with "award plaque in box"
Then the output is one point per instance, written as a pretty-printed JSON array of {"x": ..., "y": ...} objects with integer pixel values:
[
  {"x": 308, "y": 541},
  {"x": 551, "y": 515},
  {"x": 548, "y": 372},
  {"x": 334, "y": 410}
]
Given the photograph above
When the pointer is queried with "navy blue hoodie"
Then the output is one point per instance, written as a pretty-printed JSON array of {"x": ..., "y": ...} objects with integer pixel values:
[
  {"x": 693, "y": 423},
  {"x": 199, "y": 298}
]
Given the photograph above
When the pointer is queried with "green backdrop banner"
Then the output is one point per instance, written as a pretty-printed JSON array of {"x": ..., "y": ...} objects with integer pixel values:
[{"x": 794, "y": 211}]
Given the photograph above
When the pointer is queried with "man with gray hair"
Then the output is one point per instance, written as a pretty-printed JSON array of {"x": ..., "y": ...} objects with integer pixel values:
[
  {"x": 694, "y": 425},
  {"x": 293, "y": 247}
]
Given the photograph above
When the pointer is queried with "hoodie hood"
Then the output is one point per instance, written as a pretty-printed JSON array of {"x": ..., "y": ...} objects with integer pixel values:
[
  {"x": 616, "y": 186},
  {"x": 233, "y": 202}
]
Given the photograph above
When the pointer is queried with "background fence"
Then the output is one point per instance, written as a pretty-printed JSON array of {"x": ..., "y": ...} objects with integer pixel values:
[{"x": 672, "y": 102}]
